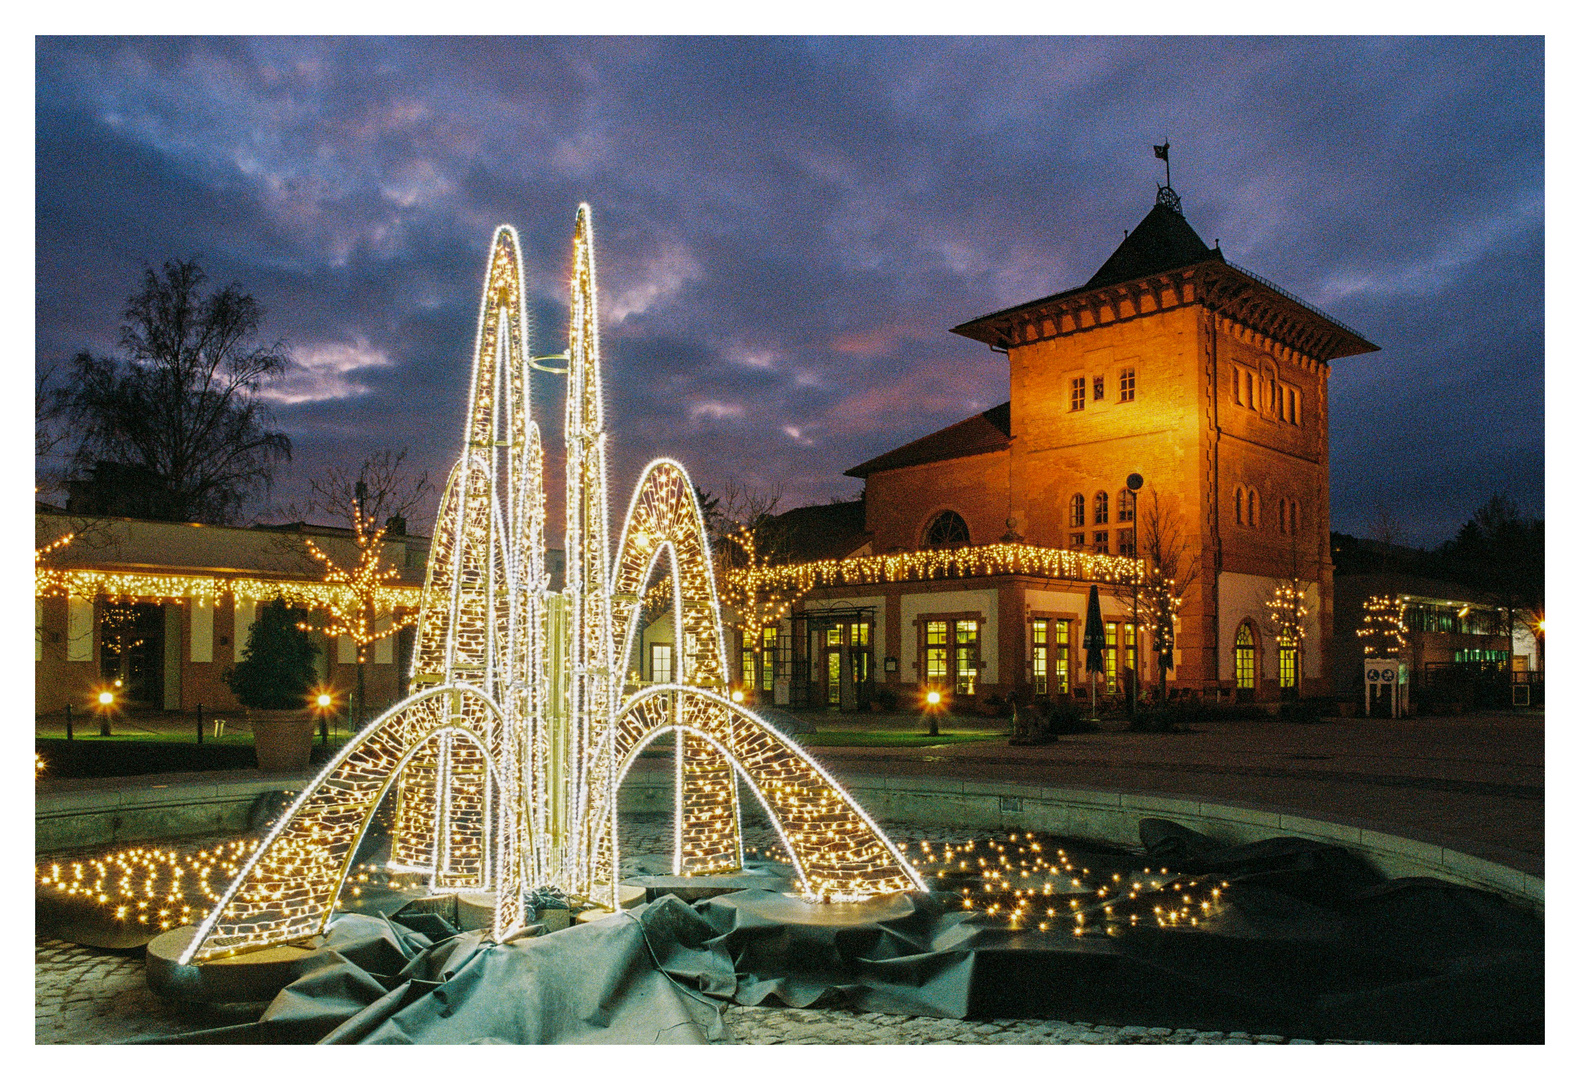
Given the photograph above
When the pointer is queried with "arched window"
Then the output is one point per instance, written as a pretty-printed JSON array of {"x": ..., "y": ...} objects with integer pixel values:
[
  {"x": 1100, "y": 508},
  {"x": 1283, "y": 515},
  {"x": 1077, "y": 509},
  {"x": 1253, "y": 508},
  {"x": 948, "y": 529},
  {"x": 1239, "y": 506},
  {"x": 1127, "y": 505},
  {"x": 1244, "y": 659},
  {"x": 1294, "y": 515}
]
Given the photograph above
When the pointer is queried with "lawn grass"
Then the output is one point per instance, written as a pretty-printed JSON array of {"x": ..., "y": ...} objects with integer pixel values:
[{"x": 895, "y": 738}]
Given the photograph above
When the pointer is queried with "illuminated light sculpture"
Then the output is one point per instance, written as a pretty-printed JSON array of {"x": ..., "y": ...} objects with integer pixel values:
[{"x": 506, "y": 761}]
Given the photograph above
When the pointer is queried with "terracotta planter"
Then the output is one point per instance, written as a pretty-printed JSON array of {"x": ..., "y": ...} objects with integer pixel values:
[{"x": 283, "y": 740}]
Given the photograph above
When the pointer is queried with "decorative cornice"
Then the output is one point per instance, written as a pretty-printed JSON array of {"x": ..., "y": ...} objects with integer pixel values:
[{"x": 1238, "y": 295}]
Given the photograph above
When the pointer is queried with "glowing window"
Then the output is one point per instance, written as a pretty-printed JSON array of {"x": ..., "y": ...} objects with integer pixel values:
[
  {"x": 937, "y": 651},
  {"x": 965, "y": 656},
  {"x": 1244, "y": 659},
  {"x": 1039, "y": 656},
  {"x": 1286, "y": 663},
  {"x": 1061, "y": 655}
]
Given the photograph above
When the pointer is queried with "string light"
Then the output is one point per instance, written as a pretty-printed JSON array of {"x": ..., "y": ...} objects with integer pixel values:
[
  {"x": 351, "y": 609},
  {"x": 983, "y": 561},
  {"x": 506, "y": 760},
  {"x": 1383, "y": 630}
]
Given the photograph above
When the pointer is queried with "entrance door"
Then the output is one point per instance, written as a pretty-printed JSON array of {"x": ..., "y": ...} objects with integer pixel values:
[{"x": 132, "y": 652}]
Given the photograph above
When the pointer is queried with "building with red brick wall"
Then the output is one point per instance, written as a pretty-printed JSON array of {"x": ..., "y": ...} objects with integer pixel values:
[{"x": 1170, "y": 363}]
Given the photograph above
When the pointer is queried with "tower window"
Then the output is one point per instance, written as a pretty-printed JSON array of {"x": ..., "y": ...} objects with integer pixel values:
[
  {"x": 1077, "y": 394},
  {"x": 1127, "y": 384},
  {"x": 1100, "y": 508},
  {"x": 1239, "y": 506},
  {"x": 1097, "y": 388},
  {"x": 1077, "y": 510},
  {"x": 948, "y": 529},
  {"x": 1253, "y": 509}
]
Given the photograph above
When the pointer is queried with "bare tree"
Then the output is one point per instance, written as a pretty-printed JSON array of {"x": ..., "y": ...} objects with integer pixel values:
[
  {"x": 1167, "y": 573},
  {"x": 1286, "y": 606},
  {"x": 373, "y": 501},
  {"x": 178, "y": 418},
  {"x": 753, "y": 542}
]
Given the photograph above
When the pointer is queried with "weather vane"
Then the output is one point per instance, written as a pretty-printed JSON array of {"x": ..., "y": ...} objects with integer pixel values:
[{"x": 1167, "y": 196}]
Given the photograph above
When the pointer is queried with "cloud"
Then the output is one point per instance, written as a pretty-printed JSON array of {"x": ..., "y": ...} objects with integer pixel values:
[
  {"x": 326, "y": 372},
  {"x": 787, "y": 228}
]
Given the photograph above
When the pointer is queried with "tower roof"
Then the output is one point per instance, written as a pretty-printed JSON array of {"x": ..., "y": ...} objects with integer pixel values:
[
  {"x": 1163, "y": 263},
  {"x": 1163, "y": 241}
]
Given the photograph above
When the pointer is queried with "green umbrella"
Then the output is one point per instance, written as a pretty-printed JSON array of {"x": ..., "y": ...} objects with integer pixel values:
[{"x": 1094, "y": 641}]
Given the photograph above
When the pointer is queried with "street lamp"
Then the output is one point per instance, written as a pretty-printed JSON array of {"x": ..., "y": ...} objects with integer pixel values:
[
  {"x": 323, "y": 703},
  {"x": 934, "y": 699},
  {"x": 105, "y": 701}
]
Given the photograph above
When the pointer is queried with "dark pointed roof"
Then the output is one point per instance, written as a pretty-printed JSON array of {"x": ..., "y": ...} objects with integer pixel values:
[
  {"x": 1163, "y": 241},
  {"x": 1164, "y": 250},
  {"x": 981, "y": 434}
]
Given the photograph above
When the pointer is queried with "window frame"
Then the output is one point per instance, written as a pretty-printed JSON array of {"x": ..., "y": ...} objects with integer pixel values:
[
  {"x": 1078, "y": 393},
  {"x": 1127, "y": 384},
  {"x": 653, "y": 648}
]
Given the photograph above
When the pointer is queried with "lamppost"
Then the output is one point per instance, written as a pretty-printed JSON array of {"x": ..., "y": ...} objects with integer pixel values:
[
  {"x": 323, "y": 703},
  {"x": 1133, "y": 484},
  {"x": 105, "y": 701},
  {"x": 934, "y": 700}
]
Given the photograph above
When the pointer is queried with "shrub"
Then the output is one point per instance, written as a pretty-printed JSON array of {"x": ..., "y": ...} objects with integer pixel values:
[{"x": 276, "y": 669}]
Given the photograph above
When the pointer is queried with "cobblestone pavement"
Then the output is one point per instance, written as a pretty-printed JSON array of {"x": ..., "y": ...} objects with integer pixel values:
[{"x": 85, "y": 995}]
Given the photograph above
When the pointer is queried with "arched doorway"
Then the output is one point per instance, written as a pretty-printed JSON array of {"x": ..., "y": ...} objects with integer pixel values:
[{"x": 1244, "y": 663}]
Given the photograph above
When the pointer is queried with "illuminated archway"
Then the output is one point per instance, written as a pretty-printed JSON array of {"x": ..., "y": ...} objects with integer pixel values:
[
  {"x": 287, "y": 889},
  {"x": 838, "y": 852}
]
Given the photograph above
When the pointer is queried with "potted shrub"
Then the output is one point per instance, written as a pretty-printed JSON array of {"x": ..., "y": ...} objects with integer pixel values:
[{"x": 272, "y": 681}]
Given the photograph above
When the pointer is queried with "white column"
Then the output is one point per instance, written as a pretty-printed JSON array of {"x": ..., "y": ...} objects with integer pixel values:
[
  {"x": 202, "y": 631},
  {"x": 79, "y": 629},
  {"x": 384, "y": 648},
  {"x": 246, "y": 614}
]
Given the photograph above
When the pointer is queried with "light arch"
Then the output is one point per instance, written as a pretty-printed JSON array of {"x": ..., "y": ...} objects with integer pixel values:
[
  {"x": 287, "y": 889},
  {"x": 838, "y": 851}
]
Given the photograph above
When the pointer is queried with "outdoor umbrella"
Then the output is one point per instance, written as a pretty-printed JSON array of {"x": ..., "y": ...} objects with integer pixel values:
[{"x": 1094, "y": 641}]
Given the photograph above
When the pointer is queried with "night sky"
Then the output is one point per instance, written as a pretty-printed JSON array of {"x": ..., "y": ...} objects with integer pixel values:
[{"x": 787, "y": 228}]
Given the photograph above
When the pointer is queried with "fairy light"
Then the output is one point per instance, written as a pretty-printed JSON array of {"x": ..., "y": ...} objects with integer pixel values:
[
  {"x": 1287, "y": 612},
  {"x": 986, "y": 560},
  {"x": 351, "y": 610},
  {"x": 506, "y": 760},
  {"x": 1383, "y": 630},
  {"x": 119, "y": 587}
]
